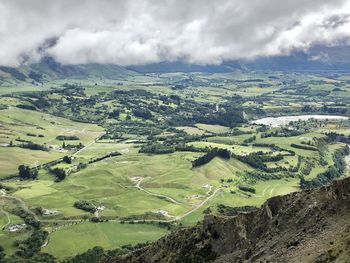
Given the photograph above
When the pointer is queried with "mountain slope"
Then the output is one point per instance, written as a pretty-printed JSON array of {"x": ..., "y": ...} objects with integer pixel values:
[
  {"x": 48, "y": 69},
  {"x": 318, "y": 58},
  {"x": 307, "y": 226},
  {"x": 53, "y": 69}
]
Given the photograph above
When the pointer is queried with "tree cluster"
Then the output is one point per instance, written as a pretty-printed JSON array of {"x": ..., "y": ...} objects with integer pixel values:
[
  {"x": 27, "y": 217},
  {"x": 333, "y": 172},
  {"x": 67, "y": 159},
  {"x": 206, "y": 158},
  {"x": 108, "y": 155},
  {"x": 67, "y": 138},
  {"x": 156, "y": 148},
  {"x": 246, "y": 188},
  {"x": 304, "y": 147},
  {"x": 27, "y": 173},
  {"x": 85, "y": 205},
  {"x": 59, "y": 173},
  {"x": 34, "y": 146},
  {"x": 32, "y": 245}
]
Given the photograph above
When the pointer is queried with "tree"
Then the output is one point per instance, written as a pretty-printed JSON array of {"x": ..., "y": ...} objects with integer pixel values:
[
  {"x": 60, "y": 174},
  {"x": 142, "y": 113},
  {"x": 306, "y": 108},
  {"x": 114, "y": 114},
  {"x": 207, "y": 211},
  {"x": 85, "y": 205},
  {"x": 26, "y": 173},
  {"x": 67, "y": 159}
]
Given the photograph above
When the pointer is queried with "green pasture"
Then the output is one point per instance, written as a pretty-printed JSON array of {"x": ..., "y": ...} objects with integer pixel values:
[
  {"x": 109, "y": 235},
  {"x": 22, "y": 124},
  {"x": 213, "y": 128},
  {"x": 191, "y": 130},
  {"x": 264, "y": 190}
]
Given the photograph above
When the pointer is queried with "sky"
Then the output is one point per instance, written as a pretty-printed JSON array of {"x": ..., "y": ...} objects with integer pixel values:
[{"x": 138, "y": 32}]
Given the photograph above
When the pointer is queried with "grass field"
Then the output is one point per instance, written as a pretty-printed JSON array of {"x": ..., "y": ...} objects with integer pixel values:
[
  {"x": 81, "y": 237},
  {"x": 213, "y": 128},
  {"x": 264, "y": 190},
  {"x": 138, "y": 185},
  {"x": 17, "y": 123},
  {"x": 110, "y": 182},
  {"x": 229, "y": 139},
  {"x": 12, "y": 157},
  {"x": 191, "y": 130},
  {"x": 237, "y": 149}
]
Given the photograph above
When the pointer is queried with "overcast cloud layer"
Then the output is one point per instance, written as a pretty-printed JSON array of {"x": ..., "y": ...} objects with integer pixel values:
[{"x": 134, "y": 32}]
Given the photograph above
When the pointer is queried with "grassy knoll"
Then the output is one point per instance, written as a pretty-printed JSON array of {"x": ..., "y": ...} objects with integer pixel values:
[
  {"x": 317, "y": 169},
  {"x": 107, "y": 182},
  {"x": 264, "y": 190},
  {"x": 285, "y": 142},
  {"x": 110, "y": 183},
  {"x": 78, "y": 238}
]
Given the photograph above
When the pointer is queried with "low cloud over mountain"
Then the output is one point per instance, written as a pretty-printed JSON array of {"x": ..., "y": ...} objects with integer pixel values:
[{"x": 140, "y": 32}]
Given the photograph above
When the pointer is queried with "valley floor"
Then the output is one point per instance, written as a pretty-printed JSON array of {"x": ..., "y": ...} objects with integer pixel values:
[{"x": 134, "y": 176}]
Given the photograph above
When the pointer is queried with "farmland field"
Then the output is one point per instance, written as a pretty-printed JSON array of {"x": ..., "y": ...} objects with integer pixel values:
[
  {"x": 79, "y": 238},
  {"x": 96, "y": 163}
]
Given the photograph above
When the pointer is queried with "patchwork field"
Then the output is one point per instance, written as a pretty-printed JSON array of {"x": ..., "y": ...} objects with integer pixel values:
[
  {"x": 19, "y": 125},
  {"x": 115, "y": 165}
]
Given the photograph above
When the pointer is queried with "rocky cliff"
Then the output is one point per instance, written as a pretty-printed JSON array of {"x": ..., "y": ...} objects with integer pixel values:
[{"x": 307, "y": 226}]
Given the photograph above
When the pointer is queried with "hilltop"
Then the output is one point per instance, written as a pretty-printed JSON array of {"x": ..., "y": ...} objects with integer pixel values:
[{"x": 307, "y": 226}]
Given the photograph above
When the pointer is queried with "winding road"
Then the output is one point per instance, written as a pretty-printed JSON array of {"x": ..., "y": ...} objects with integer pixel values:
[
  {"x": 170, "y": 199},
  {"x": 200, "y": 205},
  {"x": 70, "y": 222}
]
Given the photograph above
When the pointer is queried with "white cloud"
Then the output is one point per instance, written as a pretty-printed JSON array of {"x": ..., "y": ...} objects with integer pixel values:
[{"x": 146, "y": 31}]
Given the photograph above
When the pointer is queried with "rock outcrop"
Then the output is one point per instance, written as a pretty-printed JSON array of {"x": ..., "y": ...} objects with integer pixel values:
[{"x": 307, "y": 226}]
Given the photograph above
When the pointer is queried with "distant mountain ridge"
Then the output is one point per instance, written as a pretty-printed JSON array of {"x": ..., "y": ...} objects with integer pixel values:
[
  {"x": 48, "y": 69},
  {"x": 316, "y": 59}
]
